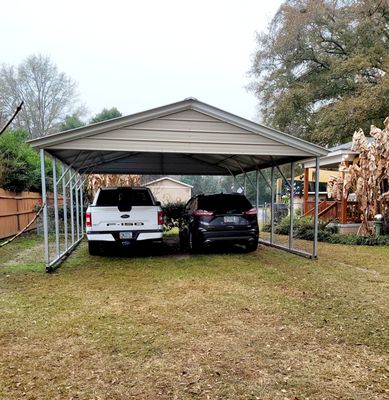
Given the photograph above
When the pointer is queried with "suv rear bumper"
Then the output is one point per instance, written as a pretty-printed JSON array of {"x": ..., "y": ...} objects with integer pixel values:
[
  {"x": 233, "y": 237},
  {"x": 114, "y": 236}
]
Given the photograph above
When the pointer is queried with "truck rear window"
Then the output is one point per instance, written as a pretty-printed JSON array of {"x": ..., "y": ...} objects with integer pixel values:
[{"x": 124, "y": 197}]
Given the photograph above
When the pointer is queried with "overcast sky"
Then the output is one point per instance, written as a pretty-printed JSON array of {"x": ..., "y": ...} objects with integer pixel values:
[{"x": 137, "y": 55}]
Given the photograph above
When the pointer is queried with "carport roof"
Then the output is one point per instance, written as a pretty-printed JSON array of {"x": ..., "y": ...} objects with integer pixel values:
[{"x": 184, "y": 138}]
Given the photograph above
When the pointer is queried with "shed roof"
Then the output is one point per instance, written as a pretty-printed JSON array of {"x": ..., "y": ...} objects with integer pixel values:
[
  {"x": 168, "y": 179},
  {"x": 184, "y": 138}
]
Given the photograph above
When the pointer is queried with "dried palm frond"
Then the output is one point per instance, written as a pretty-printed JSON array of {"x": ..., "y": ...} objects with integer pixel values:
[
  {"x": 369, "y": 178},
  {"x": 95, "y": 182}
]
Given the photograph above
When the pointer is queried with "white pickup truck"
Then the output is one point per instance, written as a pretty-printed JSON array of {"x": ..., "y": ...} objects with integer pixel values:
[{"x": 123, "y": 215}]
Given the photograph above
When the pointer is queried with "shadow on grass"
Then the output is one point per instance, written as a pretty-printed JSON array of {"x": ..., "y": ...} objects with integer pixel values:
[{"x": 169, "y": 246}]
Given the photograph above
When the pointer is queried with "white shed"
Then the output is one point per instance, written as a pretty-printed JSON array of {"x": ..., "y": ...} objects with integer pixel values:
[{"x": 169, "y": 190}]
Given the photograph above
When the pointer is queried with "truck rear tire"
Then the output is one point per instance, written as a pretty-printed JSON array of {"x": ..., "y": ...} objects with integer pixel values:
[{"x": 94, "y": 248}]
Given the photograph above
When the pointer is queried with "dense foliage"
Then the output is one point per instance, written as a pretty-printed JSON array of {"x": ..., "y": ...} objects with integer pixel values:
[
  {"x": 105, "y": 115},
  {"x": 226, "y": 184},
  {"x": 71, "y": 122},
  {"x": 321, "y": 69},
  {"x": 20, "y": 164}
]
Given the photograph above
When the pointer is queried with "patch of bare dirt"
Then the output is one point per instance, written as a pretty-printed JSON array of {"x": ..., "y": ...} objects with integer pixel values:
[{"x": 34, "y": 253}]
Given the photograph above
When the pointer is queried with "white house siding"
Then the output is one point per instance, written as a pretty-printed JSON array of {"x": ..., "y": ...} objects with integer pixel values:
[{"x": 167, "y": 191}]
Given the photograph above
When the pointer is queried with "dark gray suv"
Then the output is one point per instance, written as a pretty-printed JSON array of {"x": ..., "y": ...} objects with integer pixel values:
[{"x": 219, "y": 219}]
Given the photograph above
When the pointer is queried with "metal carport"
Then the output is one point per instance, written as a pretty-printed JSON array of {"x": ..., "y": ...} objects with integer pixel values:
[{"x": 184, "y": 138}]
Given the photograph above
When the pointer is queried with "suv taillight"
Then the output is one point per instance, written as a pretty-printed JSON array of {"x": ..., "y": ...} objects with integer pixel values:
[
  {"x": 88, "y": 220},
  {"x": 253, "y": 211},
  {"x": 202, "y": 213},
  {"x": 160, "y": 218}
]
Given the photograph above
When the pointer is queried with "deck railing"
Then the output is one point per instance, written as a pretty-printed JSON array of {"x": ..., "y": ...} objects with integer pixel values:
[{"x": 332, "y": 210}]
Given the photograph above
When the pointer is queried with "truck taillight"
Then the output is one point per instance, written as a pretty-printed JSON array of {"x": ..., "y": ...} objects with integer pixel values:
[
  {"x": 88, "y": 220},
  {"x": 202, "y": 213},
  {"x": 253, "y": 211},
  {"x": 160, "y": 218}
]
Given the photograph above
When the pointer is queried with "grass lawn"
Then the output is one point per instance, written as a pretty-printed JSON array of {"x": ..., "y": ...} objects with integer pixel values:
[{"x": 265, "y": 325}]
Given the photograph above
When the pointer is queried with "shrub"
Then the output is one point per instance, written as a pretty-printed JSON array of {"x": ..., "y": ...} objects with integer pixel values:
[
  {"x": 303, "y": 229},
  {"x": 359, "y": 240},
  {"x": 173, "y": 214}
]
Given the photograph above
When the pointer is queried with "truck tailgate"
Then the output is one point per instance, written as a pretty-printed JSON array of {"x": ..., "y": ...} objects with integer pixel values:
[{"x": 111, "y": 219}]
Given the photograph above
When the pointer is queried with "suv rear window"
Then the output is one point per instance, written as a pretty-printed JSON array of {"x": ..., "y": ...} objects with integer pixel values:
[
  {"x": 124, "y": 197},
  {"x": 217, "y": 202}
]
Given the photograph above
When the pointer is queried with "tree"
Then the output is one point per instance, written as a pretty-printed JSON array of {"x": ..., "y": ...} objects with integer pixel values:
[
  {"x": 226, "y": 184},
  {"x": 71, "y": 122},
  {"x": 106, "y": 114},
  {"x": 204, "y": 184},
  {"x": 48, "y": 94},
  {"x": 321, "y": 70}
]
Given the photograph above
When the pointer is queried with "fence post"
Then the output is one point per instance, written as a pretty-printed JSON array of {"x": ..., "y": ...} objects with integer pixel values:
[{"x": 17, "y": 215}]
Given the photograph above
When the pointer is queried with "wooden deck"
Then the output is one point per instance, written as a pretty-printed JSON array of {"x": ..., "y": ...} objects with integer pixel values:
[{"x": 344, "y": 212}]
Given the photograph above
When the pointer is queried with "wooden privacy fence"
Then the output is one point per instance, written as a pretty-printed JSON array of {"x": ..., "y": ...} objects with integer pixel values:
[{"x": 18, "y": 209}]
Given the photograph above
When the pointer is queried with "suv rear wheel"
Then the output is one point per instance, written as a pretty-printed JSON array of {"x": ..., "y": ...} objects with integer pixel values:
[{"x": 251, "y": 246}]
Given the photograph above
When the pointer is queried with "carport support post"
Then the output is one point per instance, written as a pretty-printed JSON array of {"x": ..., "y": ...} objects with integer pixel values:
[
  {"x": 256, "y": 190},
  {"x": 82, "y": 205},
  {"x": 71, "y": 205},
  {"x": 316, "y": 214},
  {"x": 291, "y": 205},
  {"x": 77, "y": 207},
  {"x": 244, "y": 183},
  {"x": 56, "y": 219},
  {"x": 65, "y": 211},
  {"x": 272, "y": 207},
  {"x": 45, "y": 216}
]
